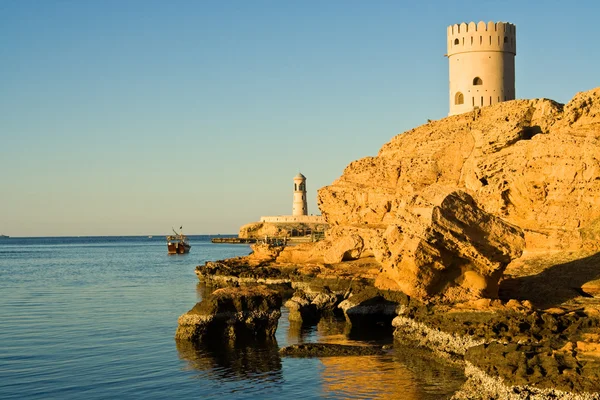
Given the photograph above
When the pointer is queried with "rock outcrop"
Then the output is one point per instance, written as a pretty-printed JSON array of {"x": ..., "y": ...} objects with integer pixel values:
[
  {"x": 442, "y": 206},
  {"x": 428, "y": 238},
  {"x": 328, "y": 350},
  {"x": 534, "y": 163},
  {"x": 230, "y": 313}
]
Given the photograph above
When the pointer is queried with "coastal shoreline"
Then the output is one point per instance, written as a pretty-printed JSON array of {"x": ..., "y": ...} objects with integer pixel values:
[{"x": 418, "y": 324}]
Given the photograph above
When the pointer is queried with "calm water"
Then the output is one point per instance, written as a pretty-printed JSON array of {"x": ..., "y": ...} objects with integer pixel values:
[{"x": 95, "y": 318}]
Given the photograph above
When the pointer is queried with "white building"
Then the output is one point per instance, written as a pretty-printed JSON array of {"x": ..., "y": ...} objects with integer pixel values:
[{"x": 481, "y": 59}]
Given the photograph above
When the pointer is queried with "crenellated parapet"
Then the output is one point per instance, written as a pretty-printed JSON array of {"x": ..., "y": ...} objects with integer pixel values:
[{"x": 493, "y": 36}]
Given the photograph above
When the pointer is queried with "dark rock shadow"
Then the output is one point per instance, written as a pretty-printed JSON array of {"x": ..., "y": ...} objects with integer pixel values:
[
  {"x": 226, "y": 361},
  {"x": 554, "y": 285}
]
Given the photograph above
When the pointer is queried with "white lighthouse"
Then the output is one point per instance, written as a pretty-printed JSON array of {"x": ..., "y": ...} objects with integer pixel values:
[{"x": 299, "y": 206}]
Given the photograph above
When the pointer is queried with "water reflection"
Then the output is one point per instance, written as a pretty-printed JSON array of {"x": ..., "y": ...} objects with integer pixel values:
[
  {"x": 253, "y": 360},
  {"x": 367, "y": 377},
  {"x": 328, "y": 327},
  {"x": 403, "y": 373},
  {"x": 435, "y": 376}
]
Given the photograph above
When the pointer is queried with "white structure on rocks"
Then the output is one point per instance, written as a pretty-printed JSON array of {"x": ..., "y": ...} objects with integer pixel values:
[
  {"x": 481, "y": 60},
  {"x": 299, "y": 207}
]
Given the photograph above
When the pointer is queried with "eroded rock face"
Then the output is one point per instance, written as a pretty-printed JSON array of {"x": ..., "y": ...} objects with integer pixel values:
[
  {"x": 447, "y": 246},
  {"x": 309, "y": 307},
  {"x": 373, "y": 308},
  {"x": 446, "y": 206},
  {"x": 232, "y": 313},
  {"x": 533, "y": 163}
]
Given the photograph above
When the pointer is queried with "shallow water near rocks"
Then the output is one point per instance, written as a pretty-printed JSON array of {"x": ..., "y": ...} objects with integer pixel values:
[{"x": 95, "y": 318}]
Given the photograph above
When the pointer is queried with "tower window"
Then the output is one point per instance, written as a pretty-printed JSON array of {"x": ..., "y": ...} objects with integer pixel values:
[
  {"x": 477, "y": 81},
  {"x": 456, "y": 41},
  {"x": 459, "y": 98},
  {"x": 505, "y": 39}
]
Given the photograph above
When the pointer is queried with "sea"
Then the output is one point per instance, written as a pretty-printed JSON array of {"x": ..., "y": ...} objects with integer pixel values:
[{"x": 95, "y": 318}]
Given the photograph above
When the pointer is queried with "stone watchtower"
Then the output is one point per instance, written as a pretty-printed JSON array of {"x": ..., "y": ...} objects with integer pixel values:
[
  {"x": 481, "y": 60},
  {"x": 299, "y": 207}
]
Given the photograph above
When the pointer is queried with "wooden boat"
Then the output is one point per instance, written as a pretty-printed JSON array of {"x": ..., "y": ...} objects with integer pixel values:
[{"x": 178, "y": 243}]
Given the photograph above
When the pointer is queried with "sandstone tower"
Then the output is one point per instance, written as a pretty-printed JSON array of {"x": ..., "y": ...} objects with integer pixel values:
[
  {"x": 481, "y": 60},
  {"x": 299, "y": 206}
]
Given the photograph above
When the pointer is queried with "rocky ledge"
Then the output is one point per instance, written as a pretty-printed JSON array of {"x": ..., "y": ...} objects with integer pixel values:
[
  {"x": 232, "y": 313},
  {"x": 475, "y": 236},
  {"x": 510, "y": 345}
]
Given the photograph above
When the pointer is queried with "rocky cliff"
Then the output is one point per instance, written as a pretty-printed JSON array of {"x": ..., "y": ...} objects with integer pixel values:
[
  {"x": 447, "y": 205},
  {"x": 438, "y": 221}
]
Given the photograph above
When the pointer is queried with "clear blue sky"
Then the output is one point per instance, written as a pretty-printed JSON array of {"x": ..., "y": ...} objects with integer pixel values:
[{"x": 129, "y": 117}]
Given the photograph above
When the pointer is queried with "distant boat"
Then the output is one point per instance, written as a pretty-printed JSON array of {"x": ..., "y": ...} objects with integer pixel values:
[
  {"x": 4, "y": 237},
  {"x": 178, "y": 243},
  {"x": 150, "y": 237}
]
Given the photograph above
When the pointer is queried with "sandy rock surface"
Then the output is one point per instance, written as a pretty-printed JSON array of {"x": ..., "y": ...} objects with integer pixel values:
[{"x": 442, "y": 206}]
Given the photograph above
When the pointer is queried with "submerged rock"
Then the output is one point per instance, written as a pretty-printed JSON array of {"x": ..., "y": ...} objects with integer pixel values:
[
  {"x": 232, "y": 313},
  {"x": 252, "y": 359},
  {"x": 329, "y": 350}
]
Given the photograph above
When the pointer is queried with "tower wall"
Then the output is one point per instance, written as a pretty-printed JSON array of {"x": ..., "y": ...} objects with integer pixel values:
[
  {"x": 300, "y": 206},
  {"x": 481, "y": 61}
]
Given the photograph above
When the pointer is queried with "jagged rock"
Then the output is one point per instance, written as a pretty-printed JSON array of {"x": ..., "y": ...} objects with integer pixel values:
[
  {"x": 326, "y": 301},
  {"x": 534, "y": 163},
  {"x": 309, "y": 307},
  {"x": 373, "y": 308},
  {"x": 344, "y": 249},
  {"x": 301, "y": 308},
  {"x": 447, "y": 246},
  {"x": 302, "y": 254},
  {"x": 232, "y": 313},
  {"x": 536, "y": 365},
  {"x": 262, "y": 252},
  {"x": 441, "y": 206},
  {"x": 592, "y": 288}
]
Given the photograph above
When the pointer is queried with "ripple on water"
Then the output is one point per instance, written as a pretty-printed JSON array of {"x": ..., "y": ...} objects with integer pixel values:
[{"x": 95, "y": 318}]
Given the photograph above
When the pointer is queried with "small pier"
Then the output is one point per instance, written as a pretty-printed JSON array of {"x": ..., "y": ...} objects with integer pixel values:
[
  {"x": 274, "y": 240},
  {"x": 236, "y": 240}
]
